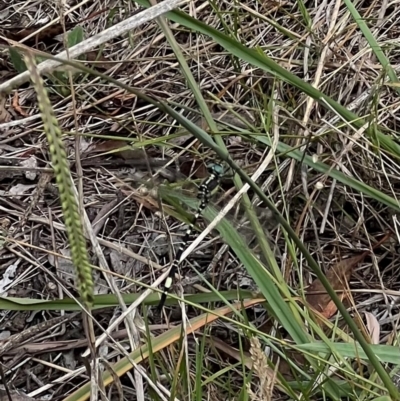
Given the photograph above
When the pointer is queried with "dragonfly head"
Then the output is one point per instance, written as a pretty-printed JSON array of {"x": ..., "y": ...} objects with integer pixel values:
[{"x": 216, "y": 169}]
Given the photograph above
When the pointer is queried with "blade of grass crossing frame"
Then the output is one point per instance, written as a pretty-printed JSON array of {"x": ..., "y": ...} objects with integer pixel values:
[{"x": 288, "y": 317}]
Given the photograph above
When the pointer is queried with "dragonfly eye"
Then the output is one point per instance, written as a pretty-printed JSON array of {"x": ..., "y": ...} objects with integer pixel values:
[{"x": 216, "y": 169}]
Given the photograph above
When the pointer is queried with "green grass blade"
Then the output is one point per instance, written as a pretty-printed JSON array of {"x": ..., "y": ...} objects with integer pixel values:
[
  {"x": 220, "y": 142},
  {"x": 333, "y": 173},
  {"x": 111, "y": 301},
  {"x": 386, "y": 353},
  {"x": 373, "y": 43}
]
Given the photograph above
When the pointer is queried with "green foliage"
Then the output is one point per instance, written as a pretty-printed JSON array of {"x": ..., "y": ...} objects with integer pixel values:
[
  {"x": 386, "y": 353},
  {"x": 75, "y": 36},
  {"x": 61, "y": 78},
  {"x": 111, "y": 301},
  {"x": 17, "y": 60}
]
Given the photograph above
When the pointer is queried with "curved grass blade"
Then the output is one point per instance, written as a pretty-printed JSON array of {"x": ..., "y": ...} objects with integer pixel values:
[
  {"x": 374, "y": 45},
  {"x": 267, "y": 285},
  {"x": 386, "y": 353},
  {"x": 197, "y": 93}
]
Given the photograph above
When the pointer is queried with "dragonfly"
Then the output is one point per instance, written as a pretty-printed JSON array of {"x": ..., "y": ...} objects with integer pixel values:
[
  {"x": 233, "y": 232},
  {"x": 205, "y": 190}
]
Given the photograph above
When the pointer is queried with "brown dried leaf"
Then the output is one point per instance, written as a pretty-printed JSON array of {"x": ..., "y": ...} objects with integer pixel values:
[
  {"x": 98, "y": 61},
  {"x": 233, "y": 352},
  {"x": 17, "y": 106},
  {"x": 373, "y": 326},
  {"x": 105, "y": 146},
  {"x": 338, "y": 277}
]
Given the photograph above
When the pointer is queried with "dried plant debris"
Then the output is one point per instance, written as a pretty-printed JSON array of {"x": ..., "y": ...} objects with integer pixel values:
[
  {"x": 128, "y": 152},
  {"x": 15, "y": 396}
]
